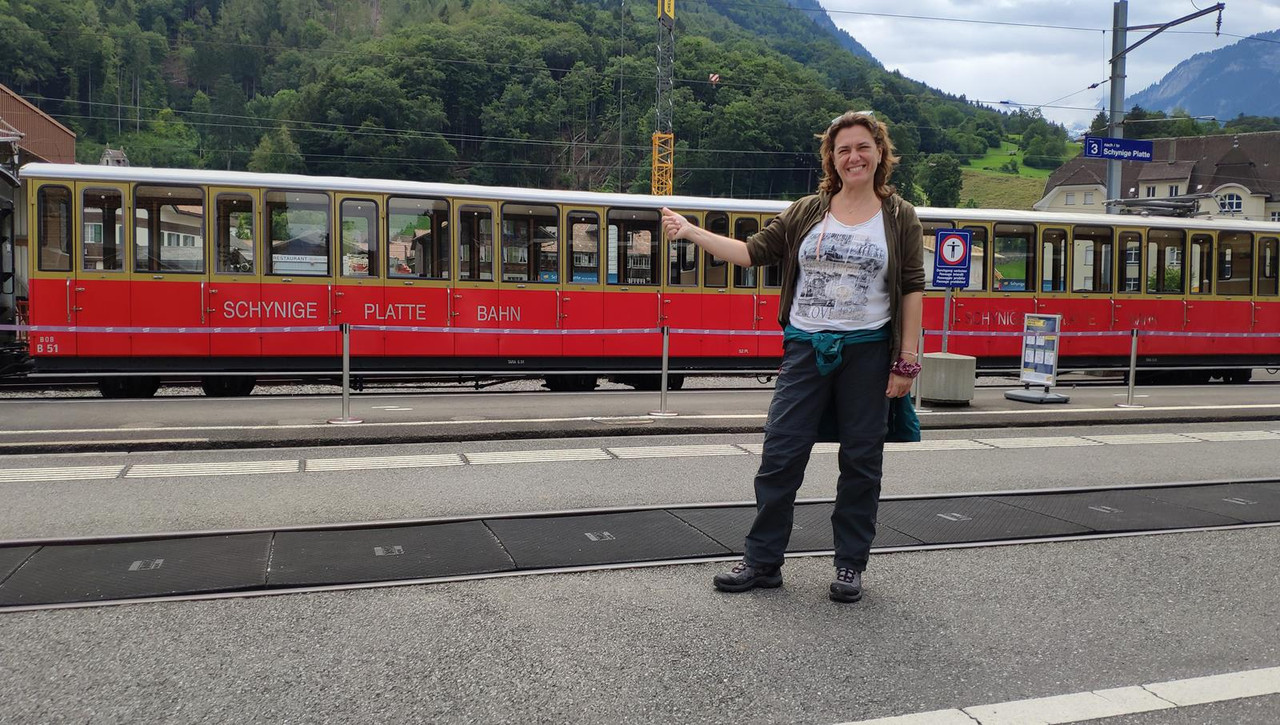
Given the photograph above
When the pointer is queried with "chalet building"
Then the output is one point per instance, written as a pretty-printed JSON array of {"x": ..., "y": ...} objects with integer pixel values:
[
  {"x": 1228, "y": 176},
  {"x": 26, "y": 134}
]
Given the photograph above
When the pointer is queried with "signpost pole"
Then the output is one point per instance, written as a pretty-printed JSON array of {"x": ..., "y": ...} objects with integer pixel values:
[{"x": 946, "y": 318}]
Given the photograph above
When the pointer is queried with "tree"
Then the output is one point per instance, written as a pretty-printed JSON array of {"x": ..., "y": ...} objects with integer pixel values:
[
  {"x": 277, "y": 153},
  {"x": 941, "y": 180}
]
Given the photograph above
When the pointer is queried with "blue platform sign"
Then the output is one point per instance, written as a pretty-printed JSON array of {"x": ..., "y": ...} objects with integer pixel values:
[
  {"x": 951, "y": 259},
  {"x": 1120, "y": 149}
]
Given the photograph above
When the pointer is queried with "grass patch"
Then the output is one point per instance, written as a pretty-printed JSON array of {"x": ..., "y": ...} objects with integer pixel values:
[{"x": 1000, "y": 191}]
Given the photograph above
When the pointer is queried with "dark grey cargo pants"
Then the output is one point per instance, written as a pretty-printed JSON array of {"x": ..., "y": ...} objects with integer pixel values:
[{"x": 801, "y": 396}]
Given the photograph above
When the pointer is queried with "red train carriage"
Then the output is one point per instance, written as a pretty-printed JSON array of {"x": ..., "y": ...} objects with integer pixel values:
[{"x": 480, "y": 281}]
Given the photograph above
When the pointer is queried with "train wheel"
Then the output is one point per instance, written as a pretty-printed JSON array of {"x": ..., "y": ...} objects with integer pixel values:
[
  {"x": 652, "y": 382},
  {"x": 1238, "y": 376},
  {"x": 571, "y": 383},
  {"x": 128, "y": 387},
  {"x": 231, "y": 386}
]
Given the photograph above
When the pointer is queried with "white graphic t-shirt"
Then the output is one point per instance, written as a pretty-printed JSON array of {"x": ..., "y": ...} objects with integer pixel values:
[{"x": 843, "y": 271}]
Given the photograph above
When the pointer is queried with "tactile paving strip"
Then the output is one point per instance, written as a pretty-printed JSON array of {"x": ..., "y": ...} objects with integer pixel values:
[
  {"x": 127, "y": 570},
  {"x": 301, "y": 558},
  {"x": 555, "y": 541}
]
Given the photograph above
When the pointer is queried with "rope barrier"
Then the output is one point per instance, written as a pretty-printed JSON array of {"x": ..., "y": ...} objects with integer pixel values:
[{"x": 601, "y": 331}]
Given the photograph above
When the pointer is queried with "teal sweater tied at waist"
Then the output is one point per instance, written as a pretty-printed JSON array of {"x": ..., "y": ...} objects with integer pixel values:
[{"x": 828, "y": 347}]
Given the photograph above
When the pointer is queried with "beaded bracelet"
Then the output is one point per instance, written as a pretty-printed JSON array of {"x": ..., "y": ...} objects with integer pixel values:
[{"x": 905, "y": 369}]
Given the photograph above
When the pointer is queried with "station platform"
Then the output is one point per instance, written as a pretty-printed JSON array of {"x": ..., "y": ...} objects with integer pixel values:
[
  {"x": 194, "y": 423},
  {"x": 88, "y": 572}
]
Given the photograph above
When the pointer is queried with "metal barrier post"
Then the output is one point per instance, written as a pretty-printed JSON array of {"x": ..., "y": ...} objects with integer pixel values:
[
  {"x": 346, "y": 418},
  {"x": 1133, "y": 373},
  {"x": 915, "y": 384},
  {"x": 662, "y": 411}
]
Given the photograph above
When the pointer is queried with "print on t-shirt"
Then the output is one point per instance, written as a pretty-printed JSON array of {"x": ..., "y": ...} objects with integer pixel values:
[{"x": 836, "y": 285}]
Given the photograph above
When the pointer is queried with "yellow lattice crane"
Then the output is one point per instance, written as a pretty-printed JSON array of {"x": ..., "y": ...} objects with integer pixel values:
[{"x": 661, "y": 182}]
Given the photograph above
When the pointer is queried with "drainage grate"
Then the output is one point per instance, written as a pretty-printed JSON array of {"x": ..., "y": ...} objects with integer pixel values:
[{"x": 556, "y": 541}]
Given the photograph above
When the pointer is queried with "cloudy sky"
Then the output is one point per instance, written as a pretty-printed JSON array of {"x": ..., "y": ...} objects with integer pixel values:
[{"x": 1047, "y": 52}]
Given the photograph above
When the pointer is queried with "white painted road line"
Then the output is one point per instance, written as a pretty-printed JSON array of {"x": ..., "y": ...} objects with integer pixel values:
[
  {"x": 1075, "y": 707},
  {"x": 1219, "y": 688},
  {"x": 945, "y": 445},
  {"x": 1045, "y": 442},
  {"x": 676, "y": 451},
  {"x": 1227, "y": 436},
  {"x": 1142, "y": 439},
  {"x": 71, "y": 473},
  {"x": 375, "y": 462},
  {"x": 545, "y": 456},
  {"x": 553, "y": 455},
  {"x": 234, "y": 468},
  {"x": 1081, "y": 706}
]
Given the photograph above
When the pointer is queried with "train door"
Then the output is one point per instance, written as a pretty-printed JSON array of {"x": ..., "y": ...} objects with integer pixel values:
[
  {"x": 681, "y": 306},
  {"x": 101, "y": 294},
  {"x": 297, "y": 274},
  {"x": 633, "y": 292},
  {"x": 745, "y": 301},
  {"x": 358, "y": 293},
  {"x": 1230, "y": 307},
  {"x": 530, "y": 278},
  {"x": 1052, "y": 296},
  {"x": 1092, "y": 284},
  {"x": 52, "y": 282},
  {"x": 170, "y": 277},
  {"x": 769, "y": 301},
  {"x": 717, "y": 294},
  {"x": 582, "y": 287},
  {"x": 475, "y": 296},
  {"x": 1151, "y": 286},
  {"x": 234, "y": 292},
  {"x": 418, "y": 273},
  {"x": 1266, "y": 306},
  {"x": 1014, "y": 278}
]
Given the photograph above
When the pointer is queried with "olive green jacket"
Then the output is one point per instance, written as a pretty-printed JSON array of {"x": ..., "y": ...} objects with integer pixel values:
[{"x": 779, "y": 242}]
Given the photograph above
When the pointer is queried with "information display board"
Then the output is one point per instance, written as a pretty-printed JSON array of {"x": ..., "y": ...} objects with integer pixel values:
[{"x": 1040, "y": 348}]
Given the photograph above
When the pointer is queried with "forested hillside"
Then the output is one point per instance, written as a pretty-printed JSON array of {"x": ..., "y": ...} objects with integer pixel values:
[{"x": 553, "y": 93}]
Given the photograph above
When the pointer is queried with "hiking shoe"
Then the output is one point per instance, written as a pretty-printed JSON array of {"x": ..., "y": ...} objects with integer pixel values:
[
  {"x": 744, "y": 576},
  {"x": 847, "y": 587}
]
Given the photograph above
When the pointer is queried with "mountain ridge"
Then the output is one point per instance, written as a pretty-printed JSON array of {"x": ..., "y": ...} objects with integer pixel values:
[{"x": 1222, "y": 83}]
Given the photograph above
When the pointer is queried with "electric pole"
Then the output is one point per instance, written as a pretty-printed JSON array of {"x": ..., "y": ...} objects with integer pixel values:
[
  {"x": 661, "y": 180},
  {"x": 1119, "y": 36}
]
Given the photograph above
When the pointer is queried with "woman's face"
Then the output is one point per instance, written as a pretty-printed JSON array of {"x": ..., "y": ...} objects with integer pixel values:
[{"x": 856, "y": 156}]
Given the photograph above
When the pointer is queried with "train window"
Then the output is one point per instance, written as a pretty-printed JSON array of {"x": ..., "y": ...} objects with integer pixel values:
[
  {"x": 1015, "y": 257},
  {"x": 584, "y": 240},
  {"x": 102, "y": 246},
  {"x": 1131, "y": 249},
  {"x": 417, "y": 238},
  {"x": 233, "y": 234},
  {"x": 530, "y": 243},
  {"x": 168, "y": 229},
  {"x": 475, "y": 243},
  {"x": 53, "y": 205},
  {"x": 1235, "y": 263},
  {"x": 1200, "y": 269},
  {"x": 1165, "y": 248},
  {"x": 1091, "y": 259},
  {"x": 1268, "y": 248},
  {"x": 744, "y": 277},
  {"x": 1053, "y": 261},
  {"x": 634, "y": 251},
  {"x": 977, "y": 257},
  {"x": 358, "y": 228},
  {"x": 682, "y": 260},
  {"x": 298, "y": 229},
  {"x": 717, "y": 274}
]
